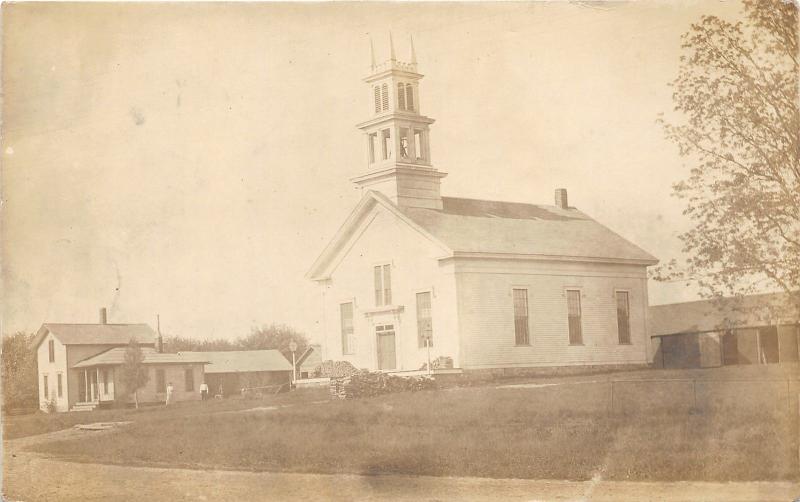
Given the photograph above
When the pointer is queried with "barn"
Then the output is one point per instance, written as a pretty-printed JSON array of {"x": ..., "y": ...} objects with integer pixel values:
[
  {"x": 228, "y": 372},
  {"x": 753, "y": 329}
]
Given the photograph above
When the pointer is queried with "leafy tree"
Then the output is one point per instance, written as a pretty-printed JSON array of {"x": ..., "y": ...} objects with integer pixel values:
[
  {"x": 737, "y": 88},
  {"x": 133, "y": 373},
  {"x": 20, "y": 382},
  {"x": 180, "y": 343},
  {"x": 274, "y": 336}
]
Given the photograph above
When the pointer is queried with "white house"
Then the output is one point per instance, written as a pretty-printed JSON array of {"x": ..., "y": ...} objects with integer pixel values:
[
  {"x": 490, "y": 284},
  {"x": 77, "y": 365}
]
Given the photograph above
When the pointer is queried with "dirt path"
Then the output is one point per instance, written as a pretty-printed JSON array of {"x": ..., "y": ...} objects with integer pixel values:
[{"x": 32, "y": 477}]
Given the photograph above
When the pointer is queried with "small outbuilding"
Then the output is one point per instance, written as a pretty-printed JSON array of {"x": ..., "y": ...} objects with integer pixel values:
[
  {"x": 308, "y": 362},
  {"x": 228, "y": 372},
  {"x": 753, "y": 329}
]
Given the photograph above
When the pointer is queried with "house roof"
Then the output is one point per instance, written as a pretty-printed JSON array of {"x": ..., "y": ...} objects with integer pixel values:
[
  {"x": 723, "y": 313},
  {"x": 471, "y": 227},
  {"x": 240, "y": 361},
  {"x": 116, "y": 356},
  {"x": 97, "y": 334},
  {"x": 310, "y": 358},
  {"x": 494, "y": 227}
]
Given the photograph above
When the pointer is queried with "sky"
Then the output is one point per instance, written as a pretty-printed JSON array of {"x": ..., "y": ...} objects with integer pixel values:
[{"x": 192, "y": 160}]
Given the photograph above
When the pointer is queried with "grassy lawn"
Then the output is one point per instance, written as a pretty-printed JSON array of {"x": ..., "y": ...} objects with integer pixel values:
[
  {"x": 557, "y": 432},
  {"x": 40, "y": 423}
]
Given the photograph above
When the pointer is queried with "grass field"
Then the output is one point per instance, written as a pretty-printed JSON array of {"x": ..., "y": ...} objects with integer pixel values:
[{"x": 552, "y": 432}]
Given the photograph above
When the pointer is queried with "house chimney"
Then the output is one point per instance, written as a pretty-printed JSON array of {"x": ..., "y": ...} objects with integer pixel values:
[
  {"x": 561, "y": 198},
  {"x": 159, "y": 339},
  {"x": 103, "y": 316}
]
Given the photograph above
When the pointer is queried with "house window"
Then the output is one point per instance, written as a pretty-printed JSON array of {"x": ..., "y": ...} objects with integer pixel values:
[
  {"x": 424, "y": 320},
  {"x": 383, "y": 285},
  {"x": 409, "y": 97},
  {"x": 401, "y": 96},
  {"x": 105, "y": 381},
  {"x": 161, "y": 381},
  {"x": 574, "y": 314},
  {"x": 521, "y": 334},
  {"x": 623, "y": 317},
  {"x": 188, "y": 376},
  {"x": 377, "y": 99},
  {"x": 51, "y": 348},
  {"x": 386, "y": 143},
  {"x": 45, "y": 387},
  {"x": 348, "y": 341},
  {"x": 385, "y": 96},
  {"x": 59, "y": 385}
]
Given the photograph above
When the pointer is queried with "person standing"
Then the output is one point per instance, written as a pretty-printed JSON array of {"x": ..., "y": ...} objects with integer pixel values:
[
  {"x": 204, "y": 391},
  {"x": 169, "y": 394}
]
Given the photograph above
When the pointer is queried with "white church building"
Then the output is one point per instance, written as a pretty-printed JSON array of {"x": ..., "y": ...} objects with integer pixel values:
[{"x": 489, "y": 284}]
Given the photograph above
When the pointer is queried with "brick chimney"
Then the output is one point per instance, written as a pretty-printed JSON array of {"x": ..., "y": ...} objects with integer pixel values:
[
  {"x": 103, "y": 316},
  {"x": 561, "y": 198}
]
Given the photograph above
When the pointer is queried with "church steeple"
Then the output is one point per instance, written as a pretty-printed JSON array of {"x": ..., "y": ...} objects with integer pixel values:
[{"x": 397, "y": 135}]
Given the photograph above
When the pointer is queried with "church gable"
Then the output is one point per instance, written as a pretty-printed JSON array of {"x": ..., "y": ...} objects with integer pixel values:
[{"x": 375, "y": 227}]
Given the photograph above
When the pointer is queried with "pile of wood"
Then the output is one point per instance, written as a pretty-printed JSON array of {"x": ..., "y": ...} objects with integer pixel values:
[
  {"x": 337, "y": 387},
  {"x": 334, "y": 369},
  {"x": 441, "y": 362}
]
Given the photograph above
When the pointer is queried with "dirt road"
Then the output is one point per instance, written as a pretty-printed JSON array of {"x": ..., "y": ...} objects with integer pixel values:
[{"x": 32, "y": 477}]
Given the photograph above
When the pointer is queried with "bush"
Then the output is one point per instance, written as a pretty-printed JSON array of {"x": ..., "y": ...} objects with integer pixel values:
[
  {"x": 334, "y": 369},
  {"x": 369, "y": 384}
]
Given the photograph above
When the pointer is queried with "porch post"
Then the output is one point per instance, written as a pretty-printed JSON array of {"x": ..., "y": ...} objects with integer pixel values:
[
  {"x": 85, "y": 385},
  {"x": 97, "y": 383}
]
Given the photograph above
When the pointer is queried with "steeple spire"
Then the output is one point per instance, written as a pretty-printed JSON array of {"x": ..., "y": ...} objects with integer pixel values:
[
  {"x": 391, "y": 48},
  {"x": 413, "y": 52}
]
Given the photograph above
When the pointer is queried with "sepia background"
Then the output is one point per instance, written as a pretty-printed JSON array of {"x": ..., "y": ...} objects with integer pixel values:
[{"x": 192, "y": 160}]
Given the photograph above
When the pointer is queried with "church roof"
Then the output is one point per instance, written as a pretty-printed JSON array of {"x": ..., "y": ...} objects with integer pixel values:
[
  {"x": 494, "y": 227},
  {"x": 482, "y": 228}
]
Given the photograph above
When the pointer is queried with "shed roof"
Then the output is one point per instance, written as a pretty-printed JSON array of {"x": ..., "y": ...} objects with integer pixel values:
[
  {"x": 116, "y": 356},
  {"x": 496, "y": 227},
  {"x": 241, "y": 361},
  {"x": 311, "y": 358},
  {"x": 723, "y": 313},
  {"x": 97, "y": 334}
]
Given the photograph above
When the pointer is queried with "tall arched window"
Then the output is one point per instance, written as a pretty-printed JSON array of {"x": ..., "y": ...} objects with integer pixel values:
[
  {"x": 401, "y": 95},
  {"x": 385, "y": 96},
  {"x": 409, "y": 97},
  {"x": 377, "y": 99}
]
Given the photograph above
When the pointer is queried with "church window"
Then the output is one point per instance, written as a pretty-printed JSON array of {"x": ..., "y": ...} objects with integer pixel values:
[
  {"x": 418, "y": 137},
  {"x": 404, "y": 146},
  {"x": 348, "y": 340},
  {"x": 385, "y": 96},
  {"x": 574, "y": 317},
  {"x": 386, "y": 143},
  {"x": 401, "y": 96},
  {"x": 521, "y": 331},
  {"x": 377, "y": 99},
  {"x": 409, "y": 97},
  {"x": 383, "y": 285},
  {"x": 373, "y": 144}
]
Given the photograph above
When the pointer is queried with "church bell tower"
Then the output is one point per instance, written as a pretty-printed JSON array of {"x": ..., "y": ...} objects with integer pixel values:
[{"x": 397, "y": 136}]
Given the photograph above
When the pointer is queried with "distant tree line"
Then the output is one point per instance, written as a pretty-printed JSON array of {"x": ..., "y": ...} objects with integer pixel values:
[
  {"x": 272, "y": 336},
  {"x": 20, "y": 385}
]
